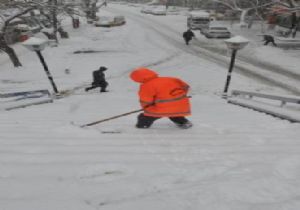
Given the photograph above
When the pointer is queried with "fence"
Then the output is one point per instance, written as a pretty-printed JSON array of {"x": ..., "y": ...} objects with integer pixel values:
[
  {"x": 15, "y": 100},
  {"x": 245, "y": 99}
]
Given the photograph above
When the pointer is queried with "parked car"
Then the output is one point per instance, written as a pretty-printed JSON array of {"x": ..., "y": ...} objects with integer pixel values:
[
  {"x": 147, "y": 9},
  {"x": 119, "y": 20},
  {"x": 216, "y": 32},
  {"x": 159, "y": 10},
  {"x": 104, "y": 21},
  {"x": 109, "y": 21},
  {"x": 198, "y": 20},
  {"x": 173, "y": 10},
  {"x": 287, "y": 42},
  {"x": 154, "y": 10}
]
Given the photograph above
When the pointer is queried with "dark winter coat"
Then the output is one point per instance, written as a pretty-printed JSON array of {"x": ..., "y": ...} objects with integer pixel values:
[
  {"x": 99, "y": 78},
  {"x": 268, "y": 38},
  {"x": 188, "y": 35}
]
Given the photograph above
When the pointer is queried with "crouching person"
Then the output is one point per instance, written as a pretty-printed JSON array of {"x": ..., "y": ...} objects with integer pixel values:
[
  {"x": 269, "y": 39},
  {"x": 99, "y": 80},
  {"x": 161, "y": 97}
]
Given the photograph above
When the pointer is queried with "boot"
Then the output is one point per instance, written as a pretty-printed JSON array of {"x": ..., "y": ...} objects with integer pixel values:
[
  {"x": 186, "y": 125},
  {"x": 103, "y": 90}
]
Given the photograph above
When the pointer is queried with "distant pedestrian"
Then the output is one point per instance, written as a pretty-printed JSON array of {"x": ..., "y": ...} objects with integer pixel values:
[
  {"x": 161, "y": 97},
  {"x": 188, "y": 35},
  {"x": 268, "y": 39},
  {"x": 99, "y": 80},
  {"x": 75, "y": 22},
  {"x": 67, "y": 71},
  {"x": 294, "y": 31}
]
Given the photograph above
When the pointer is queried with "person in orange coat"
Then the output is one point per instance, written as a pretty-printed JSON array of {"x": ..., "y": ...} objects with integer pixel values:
[{"x": 161, "y": 97}]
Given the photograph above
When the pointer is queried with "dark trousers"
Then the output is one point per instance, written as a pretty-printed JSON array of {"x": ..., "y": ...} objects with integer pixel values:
[
  {"x": 268, "y": 41},
  {"x": 147, "y": 121},
  {"x": 101, "y": 85},
  {"x": 187, "y": 41}
]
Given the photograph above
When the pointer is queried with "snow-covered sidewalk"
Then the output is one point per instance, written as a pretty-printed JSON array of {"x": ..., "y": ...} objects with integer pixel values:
[{"x": 226, "y": 161}]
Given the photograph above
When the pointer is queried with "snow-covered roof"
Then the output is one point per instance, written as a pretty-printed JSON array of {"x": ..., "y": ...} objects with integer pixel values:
[
  {"x": 35, "y": 44},
  {"x": 34, "y": 41},
  {"x": 199, "y": 13},
  {"x": 237, "y": 39}
]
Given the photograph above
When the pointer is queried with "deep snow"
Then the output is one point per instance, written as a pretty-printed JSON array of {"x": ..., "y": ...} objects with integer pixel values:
[{"x": 232, "y": 159}]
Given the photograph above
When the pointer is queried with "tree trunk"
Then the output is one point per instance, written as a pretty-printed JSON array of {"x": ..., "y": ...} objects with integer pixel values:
[
  {"x": 294, "y": 19},
  {"x": 63, "y": 34},
  {"x": 54, "y": 18},
  {"x": 243, "y": 17},
  {"x": 94, "y": 10},
  {"x": 49, "y": 35},
  {"x": 10, "y": 52},
  {"x": 295, "y": 23}
]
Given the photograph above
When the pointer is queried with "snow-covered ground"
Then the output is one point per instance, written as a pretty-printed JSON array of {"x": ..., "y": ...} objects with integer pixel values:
[
  {"x": 232, "y": 159},
  {"x": 255, "y": 49}
]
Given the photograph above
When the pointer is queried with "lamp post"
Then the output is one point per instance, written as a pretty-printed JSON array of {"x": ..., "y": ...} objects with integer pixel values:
[
  {"x": 37, "y": 45},
  {"x": 235, "y": 43}
]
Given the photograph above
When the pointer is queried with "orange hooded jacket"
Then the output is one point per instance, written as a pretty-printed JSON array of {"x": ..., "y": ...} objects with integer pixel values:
[{"x": 161, "y": 96}]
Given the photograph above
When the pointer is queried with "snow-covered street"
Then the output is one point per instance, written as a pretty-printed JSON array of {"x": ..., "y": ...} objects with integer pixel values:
[{"x": 231, "y": 159}]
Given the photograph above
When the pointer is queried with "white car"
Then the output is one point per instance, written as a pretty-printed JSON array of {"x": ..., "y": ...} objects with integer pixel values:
[
  {"x": 159, "y": 10},
  {"x": 147, "y": 9},
  {"x": 119, "y": 20},
  {"x": 104, "y": 21},
  {"x": 109, "y": 21},
  {"x": 198, "y": 20},
  {"x": 216, "y": 32},
  {"x": 154, "y": 10}
]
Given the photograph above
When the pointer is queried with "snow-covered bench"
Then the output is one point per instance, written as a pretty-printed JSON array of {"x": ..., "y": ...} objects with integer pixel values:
[
  {"x": 268, "y": 104},
  {"x": 283, "y": 42},
  {"x": 15, "y": 100},
  {"x": 287, "y": 42}
]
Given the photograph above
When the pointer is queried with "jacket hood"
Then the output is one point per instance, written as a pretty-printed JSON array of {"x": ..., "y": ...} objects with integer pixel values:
[
  {"x": 102, "y": 68},
  {"x": 142, "y": 75}
]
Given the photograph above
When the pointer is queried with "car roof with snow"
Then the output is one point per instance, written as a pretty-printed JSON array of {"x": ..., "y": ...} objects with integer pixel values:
[
  {"x": 199, "y": 13},
  {"x": 217, "y": 26}
]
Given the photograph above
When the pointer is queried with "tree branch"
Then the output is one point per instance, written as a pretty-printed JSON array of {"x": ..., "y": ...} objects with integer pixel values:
[{"x": 15, "y": 16}]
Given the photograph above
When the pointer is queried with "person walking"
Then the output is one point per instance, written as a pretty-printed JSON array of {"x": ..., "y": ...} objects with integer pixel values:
[
  {"x": 161, "y": 97},
  {"x": 188, "y": 35},
  {"x": 99, "y": 80}
]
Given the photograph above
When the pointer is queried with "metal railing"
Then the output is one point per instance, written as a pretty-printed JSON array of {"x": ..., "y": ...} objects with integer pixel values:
[
  {"x": 271, "y": 110},
  {"x": 283, "y": 99}
]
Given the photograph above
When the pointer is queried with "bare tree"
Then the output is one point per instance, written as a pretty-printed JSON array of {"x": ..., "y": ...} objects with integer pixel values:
[
  {"x": 91, "y": 7},
  {"x": 244, "y": 6},
  {"x": 3, "y": 44},
  {"x": 293, "y": 8},
  {"x": 50, "y": 9}
]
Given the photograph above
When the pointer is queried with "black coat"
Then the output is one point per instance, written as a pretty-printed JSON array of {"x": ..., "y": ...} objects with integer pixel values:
[
  {"x": 99, "y": 77},
  {"x": 188, "y": 35},
  {"x": 268, "y": 38}
]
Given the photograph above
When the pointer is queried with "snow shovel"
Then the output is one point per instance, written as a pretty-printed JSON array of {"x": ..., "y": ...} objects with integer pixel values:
[
  {"x": 111, "y": 118},
  {"x": 117, "y": 116}
]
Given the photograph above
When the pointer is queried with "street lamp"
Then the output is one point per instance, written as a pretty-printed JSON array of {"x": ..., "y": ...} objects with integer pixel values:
[
  {"x": 235, "y": 43},
  {"x": 37, "y": 45}
]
